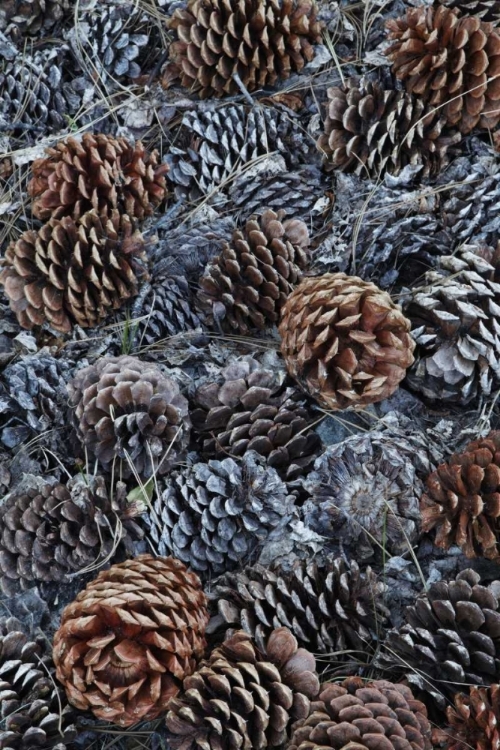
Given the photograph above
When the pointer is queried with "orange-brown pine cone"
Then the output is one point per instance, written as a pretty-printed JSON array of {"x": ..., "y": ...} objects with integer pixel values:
[
  {"x": 99, "y": 172},
  {"x": 344, "y": 340},
  {"x": 474, "y": 720},
  {"x": 462, "y": 500},
  {"x": 129, "y": 639},
  {"x": 451, "y": 60}
]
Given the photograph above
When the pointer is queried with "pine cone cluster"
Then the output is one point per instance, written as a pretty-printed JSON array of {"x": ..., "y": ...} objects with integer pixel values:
[
  {"x": 474, "y": 720},
  {"x": 31, "y": 16},
  {"x": 130, "y": 638}
]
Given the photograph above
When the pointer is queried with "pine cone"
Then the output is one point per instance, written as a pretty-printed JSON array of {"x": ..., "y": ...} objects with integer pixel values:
[
  {"x": 248, "y": 409},
  {"x": 129, "y": 410},
  {"x": 31, "y": 16},
  {"x": 74, "y": 271},
  {"x": 486, "y": 10},
  {"x": 247, "y": 284},
  {"x": 474, "y": 720},
  {"x": 130, "y": 638},
  {"x": 212, "y": 516},
  {"x": 241, "y": 697},
  {"x": 451, "y": 62},
  {"x": 357, "y": 714},
  {"x": 99, "y": 172},
  {"x": 344, "y": 340},
  {"x": 33, "y": 712},
  {"x": 373, "y": 128},
  {"x": 267, "y": 41}
]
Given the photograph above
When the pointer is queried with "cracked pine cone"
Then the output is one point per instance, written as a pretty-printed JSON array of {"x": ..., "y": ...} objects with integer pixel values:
[
  {"x": 242, "y": 697},
  {"x": 74, "y": 271},
  {"x": 261, "y": 41},
  {"x": 213, "y": 515},
  {"x": 33, "y": 712},
  {"x": 486, "y": 10},
  {"x": 31, "y": 16},
  {"x": 451, "y": 62},
  {"x": 247, "y": 284},
  {"x": 128, "y": 410},
  {"x": 378, "y": 715},
  {"x": 99, "y": 172},
  {"x": 344, "y": 340},
  {"x": 474, "y": 720},
  {"x": 129, "y": 639}
]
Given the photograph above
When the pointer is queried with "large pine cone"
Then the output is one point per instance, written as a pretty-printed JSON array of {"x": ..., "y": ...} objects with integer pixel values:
[
  {"x": 50, "y": 530},
  {"x": 33, "y": 711},
  {"x": 451, "y": 62},
  {"x": 74, "y": 271},
  {"x": 259, "y": 40},
  {"x": 357, "y": 714},
  {"x": 129, "y": 410},
  {"x": 474, "y": 720},
  {"x": 30, "y": 16},
  {"x": 344, "y": 340},
  {"x": 244, "y": 698},
  {"x": 130, "y": 637},
  {"x": 248, "y": 283},
  {"x": 99, "y": 172}
]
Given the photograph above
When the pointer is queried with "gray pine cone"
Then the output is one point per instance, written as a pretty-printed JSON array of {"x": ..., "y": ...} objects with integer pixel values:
[{"x": 486, "y": 10}]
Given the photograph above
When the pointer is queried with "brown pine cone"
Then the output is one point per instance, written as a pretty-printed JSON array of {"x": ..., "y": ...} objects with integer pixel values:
[
  {"x": 247, "y": 284},
  {"x": 344, "y": 340},
  {"x": 241, "y": 697},
  {"x": 259, "y": 40},
  {"x": 99, "y": 172},
  {"x": 130, "y": 638},
  {"x": 74, "y": 271},
  {"x": 474, "y": 720},
  {"x": 450, "y": 60},
  {"x": 355, "y": 715},
  {"x": 129, "y": 410}
]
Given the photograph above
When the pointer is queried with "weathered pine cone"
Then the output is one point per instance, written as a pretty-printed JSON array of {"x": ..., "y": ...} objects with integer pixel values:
[
  {"x": 344, "y": 340},
  {"x": 130, "y": 411},
  {"x": 474, "y": 720},
  {"x": 451, "y": 62},
  {"x": 486, "y": 10},
  {"x": 356, "y": 714},
  {"x": 31, "y": 16},
  {"x": 74, "y": 271},
  {"x": 247, "y": 284},
  {"x": 241, "y": 697},
  {"x": 129, "y": 639},
  {"x": 259, "y": 40},
  {"x": 99, "y": 172}
]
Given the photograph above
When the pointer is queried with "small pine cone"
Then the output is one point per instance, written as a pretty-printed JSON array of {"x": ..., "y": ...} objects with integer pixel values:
[
  {"x": 267, "y": 41},
  {"x": 247, "y": 284},
  {"x": 33, "y": 711},
  {"x": 450, "y": 638},
  {"x": 357, "y": 714},
  {"x": 31, "y": 16},
  {"x": 99, "y": 172},
  {"x": 74, "y": 271},
  {"x": 129, "y": 410},
  {"x": 50, "y": 530},
  {"x": 344, "y": 340},
  {"x": 474, "y": 720},
  {"x": 241, "y": 697},
  {"x": 248, "y": 409},
  {"x": 486, "y": 10},
  {"x": 449, "y": 61},
  {"x": 213, "y": 515},
  {"x": 130, "y": 638},
  {"x": 365, "y": 491},
  {"x": 374, "y": 128}
]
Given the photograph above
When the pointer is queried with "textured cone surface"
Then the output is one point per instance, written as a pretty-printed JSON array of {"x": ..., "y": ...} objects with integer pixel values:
[
  {"x": 128, "y": 409},
  {"x": 31, "y": 16},
  {"x": 247, "y": 284},
  {"x": 242, "y": 697},
  {"x": 372, "y": 127},
  {"x": 474, "y": 720},
  {"x": 248, "y": 409},
  {"x": 344, "y": 340},
  {"x": 74, "y": 271},
  {"x": 130, "y": 638},
  {"x": 448, "y": 59},
  {"x": 33, "y": 711},
  {"x": 357, "y": 714},
  {"x": 99, "y": 172},
  {"x": 486, "y": 10},
  {"x": 259, "y": 40}
]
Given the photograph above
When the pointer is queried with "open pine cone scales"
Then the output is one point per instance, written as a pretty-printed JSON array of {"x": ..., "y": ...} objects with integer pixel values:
[
  {"x": 30, "y": 16},
  {"x": 474, "y": 720}
]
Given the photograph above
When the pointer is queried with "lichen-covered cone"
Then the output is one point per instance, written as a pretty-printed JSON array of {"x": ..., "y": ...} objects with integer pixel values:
[
  {"x": 486, "y": 10},
  {"x": 129, "y": 639},
  {"x": 127, "y": 410},
  {"x": 31, "y": 16},
  {"x": 474, "y": 720},
  {"x": 259, "y": 40},
  {"x": 242, "y": 697},
  {"x": 344, "y": 340},
  {"x": 355, "y": 714}
]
